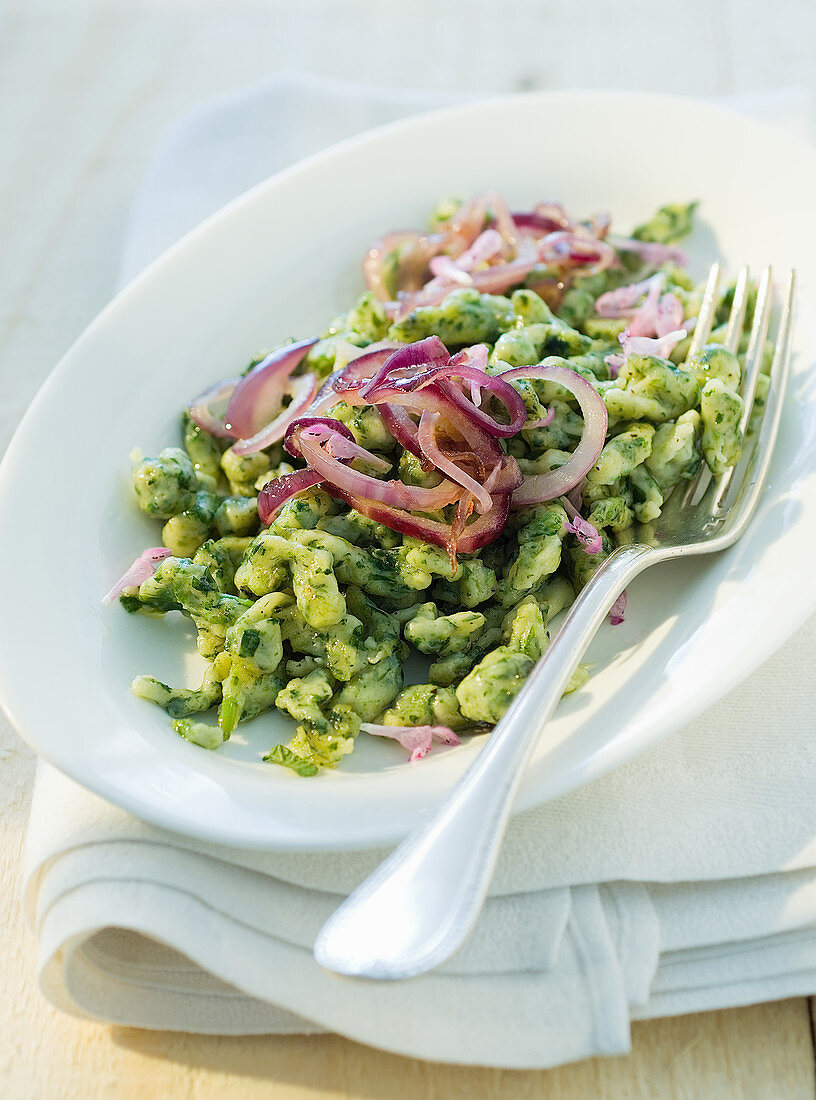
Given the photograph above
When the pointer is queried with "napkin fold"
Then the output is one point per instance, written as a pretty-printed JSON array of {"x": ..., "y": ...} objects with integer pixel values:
[{"x": 685, "y": 880}]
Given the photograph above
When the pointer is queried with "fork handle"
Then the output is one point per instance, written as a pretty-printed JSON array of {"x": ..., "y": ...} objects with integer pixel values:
[{"x": 418, "y": 907}]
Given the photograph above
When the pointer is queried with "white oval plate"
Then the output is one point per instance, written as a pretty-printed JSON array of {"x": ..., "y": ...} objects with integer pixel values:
[{"x": 278, "y": 262}]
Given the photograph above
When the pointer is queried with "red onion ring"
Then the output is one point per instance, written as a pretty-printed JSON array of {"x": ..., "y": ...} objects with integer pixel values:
[
  {"x": 302, "y": 391},
  {"x": 413, "y": 261},
  {"x": 201, "y": 409},
  {"x": 428, "y": 424},
  {"x": 290, "y": 440},
  {"x": 542, "y": 487},
  {"x": 257, "y": 397},
  {"x": 428, "y": 352},
  {"x": 403, "y": 429},
  {"x": 275, "y": 493},
  {"x": 483, "y": 530},
  {"x": 392, "y": 493},
  {"x": 342, "y": 448}
]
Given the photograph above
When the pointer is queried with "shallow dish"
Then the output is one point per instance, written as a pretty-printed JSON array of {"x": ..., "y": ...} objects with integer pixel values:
[{"x": 276, "y": 263}]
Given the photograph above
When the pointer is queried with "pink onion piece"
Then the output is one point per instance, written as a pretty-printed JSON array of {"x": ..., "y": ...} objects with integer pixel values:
[
  {"x": 576, "y": 248},
  {"x": 617, "y": 610},
  {"x": 428, "y": 424},
  {"x": 583, "y": 530},
  {"x": 621, "y": 302},
  {"x": 393, "y": 493},
  {"x": 487, "y": 245},
  {"x": 543, "y": 421},
  {"x": 415, "y": 252},
  {"x": 546, "y": 218},
  {"x": 257, "y": 397},
  {"x": 203, "y": 409},
  {"x": 465, "y": 226},
  {"x": 291, "y": 439},
  {"x": 449, "y": 271},
  {"x": 644, "y": 320},
  {"x": 340, "y": 446},
  {"x": 615, "y": 361},
  {"x": 662, "y": 347},
  {"x": 416, "y": 739},
  {"x": 351, "y": 377},
  {"x": 143, "y": 568},
  {"x": 428, "y": 352},
  {"x": 302, "y": 391},
  {"x": 575, "y": 499},
  {"x": 586, "y": 534},
  {"x": 651, "y": 252},
  {"x": 484, "y": 529},
  {"x": 541, "y": 487},
  {"x": 275, "y": 493},
  {"x": 402, "y": 427},
  {"x": 669, "y": 314},
  {"x": 393, "y": 389}
]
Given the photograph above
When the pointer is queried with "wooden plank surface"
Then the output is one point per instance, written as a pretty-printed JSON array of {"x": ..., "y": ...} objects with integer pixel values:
[{"x": 85, "y": 90}]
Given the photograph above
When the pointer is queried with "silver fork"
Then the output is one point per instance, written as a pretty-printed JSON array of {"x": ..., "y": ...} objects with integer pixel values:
[{"x": 419, "y": 906}]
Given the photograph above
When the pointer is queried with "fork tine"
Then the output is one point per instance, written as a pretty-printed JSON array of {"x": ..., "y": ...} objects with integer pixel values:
[
  {"x": 705, "y": 320},
  {"x": 770, "y": 421},
  {"x": 750, "y": 376},
  {"x": 738, "y": 306}
]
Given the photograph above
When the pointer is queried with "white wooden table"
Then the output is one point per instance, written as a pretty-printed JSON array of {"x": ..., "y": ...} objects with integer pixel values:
[{"x": 85, "y": 90}]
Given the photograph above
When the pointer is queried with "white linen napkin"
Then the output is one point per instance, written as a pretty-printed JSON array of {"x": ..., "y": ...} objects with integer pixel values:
[{"x": 685, "y": 880}]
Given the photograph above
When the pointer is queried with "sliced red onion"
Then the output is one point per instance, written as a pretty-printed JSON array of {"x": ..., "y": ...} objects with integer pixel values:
[
  {"x": 416, "y": 250},
  {"x": 617, "y": 610},
  {"x": 428, "y": 352},
  {"x": 487, "y": 245},
  {"x": 615, "y": 361},
  {"x": 257, "y": 397},
  {"x": 543, "y": 421},
  {"x": 621, "y": 302},
  {"x": 465, "y": 226},
  {"x": 484, "y": 529},
  {"x": 203, "y": 409},
  {"x": 393, "y": 493},
  {"x": 651, "y": 252},
  {"x": 547, "y": 217},
  {"x": 416, "y": 739},
  {"x": 583, "y": 530},
  {"x": 500, "y": 277},
  {"x": 141, "y": 570},
  {"x": 427, "y": 440},
  {"x": 541, "y": 487},
  {"x": 402, "y": 427},
  {"x": 586, "y": 534},
  {"x": 576, "y": 247},
  {"x": 644, "y": 320},
  {"x": 447, "y": 270},
  {"x": 290, "y": 440},
  {"x": 351, "y": 377},
  {"x": 341, "y": 447},
  {"x": 662, "y": 347},
  {"x": 575, "y": 498},
  {"x": 302, "y": 391},
  {"x": 669, "y": 314},
  {"x": 490, "y": 280},
  {"x": 275, "y": 493}
]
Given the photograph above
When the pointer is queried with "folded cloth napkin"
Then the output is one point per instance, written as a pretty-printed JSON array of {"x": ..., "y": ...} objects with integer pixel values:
[{"x": 685, "y": 880}]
